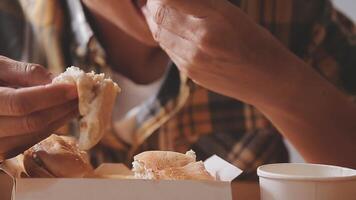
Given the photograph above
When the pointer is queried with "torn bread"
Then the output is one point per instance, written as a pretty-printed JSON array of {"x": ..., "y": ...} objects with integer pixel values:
[
  {"x": 167, "y": 165},
  {"x": 57, "y": 156},
  {"x": 97, "y": 96},
  {"x": 15, "y": 167}
]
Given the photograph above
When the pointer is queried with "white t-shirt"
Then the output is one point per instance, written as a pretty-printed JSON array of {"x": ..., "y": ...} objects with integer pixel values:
[{"x": 132, "y": 94}]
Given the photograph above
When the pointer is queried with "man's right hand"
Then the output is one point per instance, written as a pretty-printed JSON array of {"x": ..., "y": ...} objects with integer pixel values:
[{"x": 31, "y": 108}]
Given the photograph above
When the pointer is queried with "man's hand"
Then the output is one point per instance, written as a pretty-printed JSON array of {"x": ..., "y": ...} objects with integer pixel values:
[
  {"x": 30, "y": 107},
  {"x": 221, "y": 48}
]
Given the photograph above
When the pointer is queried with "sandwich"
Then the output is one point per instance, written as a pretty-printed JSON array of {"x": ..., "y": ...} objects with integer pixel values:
[
  {"x": 96, "y": 101},
  {"x": 167, "y": 165},
  {"x": 57, "y": 156}
]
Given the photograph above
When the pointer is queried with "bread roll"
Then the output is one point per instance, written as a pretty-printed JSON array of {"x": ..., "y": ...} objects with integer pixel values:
[
  {"x": 192, "y": 171},
  {"x": 96, "y": 100},
  {"x": 158, "y": 160},
  {"x": 167, "y": 165},
  {"x": 56, "y": 156}
]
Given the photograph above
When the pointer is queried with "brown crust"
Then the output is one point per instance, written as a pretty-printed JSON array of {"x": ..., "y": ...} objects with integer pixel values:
[
  {"x": 33, "y": 169},
  {"x": 56, "y": 157}
]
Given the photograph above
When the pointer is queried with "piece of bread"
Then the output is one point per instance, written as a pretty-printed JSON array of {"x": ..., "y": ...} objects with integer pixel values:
[
  {"x": 15, "y": 167},
  {"x": 158, "y": 160},
  {"x": 97, "y": 96},
  {"x": 192, "y": 171},
  {"x": 57, "y": 156},
  {"x": 167, "y": 165}
]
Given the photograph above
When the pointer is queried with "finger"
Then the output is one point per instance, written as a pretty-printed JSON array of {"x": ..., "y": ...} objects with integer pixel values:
[
  {"x": 199, "y": 55},
  {"x": 12, "y": 146},
  {"x": 213, "y": 33},
  {"x": 171, "y": 44},
  {"x": 14, "y": 73},
  {"x": 182, "y": 64},
  {"x": 189, "y": 58},
  {"x": 199, "y": 8},
  {"x": 13, "y": 126},
  {"x": 179, "y": 62},
  {"x": 193, "y": 72},
  {"x": 179, "y": 46},
  {"x": 23, "y": 101},
  {"x": 196, "y": 75},
  {"x": 190, "y": 27}
]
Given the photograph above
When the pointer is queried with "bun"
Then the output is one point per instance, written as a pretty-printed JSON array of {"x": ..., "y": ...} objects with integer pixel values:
[
  {"x": 158, "y": 160},
  {"x": 56, "y": 156},
  {"x": 167, "y": 165},
  {"x": 96, "y": 101},
  {"x": 192, "y": 171}
]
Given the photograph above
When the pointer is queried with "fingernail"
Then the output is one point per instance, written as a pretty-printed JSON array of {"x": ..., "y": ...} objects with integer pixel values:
[{"x": 48, "y": 78}]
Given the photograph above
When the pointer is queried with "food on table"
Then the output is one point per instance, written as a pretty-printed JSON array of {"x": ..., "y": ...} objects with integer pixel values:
[
  {"x": 57, "y": 156},
  {"x": 167, "y": 165}
]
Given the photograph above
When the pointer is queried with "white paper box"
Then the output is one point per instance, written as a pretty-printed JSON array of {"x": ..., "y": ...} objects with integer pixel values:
[
  {"x": 127, "y": 189},
  {"x": 295, "y": 181}
]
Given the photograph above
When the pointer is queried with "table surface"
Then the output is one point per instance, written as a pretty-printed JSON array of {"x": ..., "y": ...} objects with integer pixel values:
[
  {"x": 245, "y": 191},
  {"x": 240, "y": 190}
]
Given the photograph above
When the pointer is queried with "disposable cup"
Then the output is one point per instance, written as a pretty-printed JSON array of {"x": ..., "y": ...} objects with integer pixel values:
[{"x": 300, "y": 181}]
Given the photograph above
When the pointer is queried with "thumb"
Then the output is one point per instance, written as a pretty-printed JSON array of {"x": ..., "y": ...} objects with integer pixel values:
[{"x": 15, "y": 73}]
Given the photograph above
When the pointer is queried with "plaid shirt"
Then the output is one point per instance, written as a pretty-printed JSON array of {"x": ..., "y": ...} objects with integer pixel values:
[{"x": 183, "y": 115}]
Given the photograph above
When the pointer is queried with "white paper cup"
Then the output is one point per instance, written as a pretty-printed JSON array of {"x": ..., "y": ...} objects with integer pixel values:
[{"x": 297, "y": 181}]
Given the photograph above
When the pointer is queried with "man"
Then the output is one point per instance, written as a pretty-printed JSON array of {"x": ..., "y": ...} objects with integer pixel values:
[{"x": 113, "y": 37}]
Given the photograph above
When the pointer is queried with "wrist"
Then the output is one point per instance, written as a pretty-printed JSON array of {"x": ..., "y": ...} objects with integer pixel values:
[
  {"x": 301, "y": 92},
  {"x": 290, "y": 86}
]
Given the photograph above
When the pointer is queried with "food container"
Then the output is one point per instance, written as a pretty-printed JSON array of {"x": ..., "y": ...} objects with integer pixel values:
[
  {"x": 296, "y": 181},
  {"x": 112, "y": 183}
]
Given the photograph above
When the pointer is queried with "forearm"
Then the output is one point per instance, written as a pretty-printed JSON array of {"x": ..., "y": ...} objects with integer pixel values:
[{"x": 315, "y": 116}]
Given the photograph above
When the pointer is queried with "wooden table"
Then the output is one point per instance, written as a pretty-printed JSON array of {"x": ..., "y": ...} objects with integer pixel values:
[
  {"x": 240, "y": 190},
  {"x": 5, "y": 187},
  {"x": 245, "y": 191}
]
